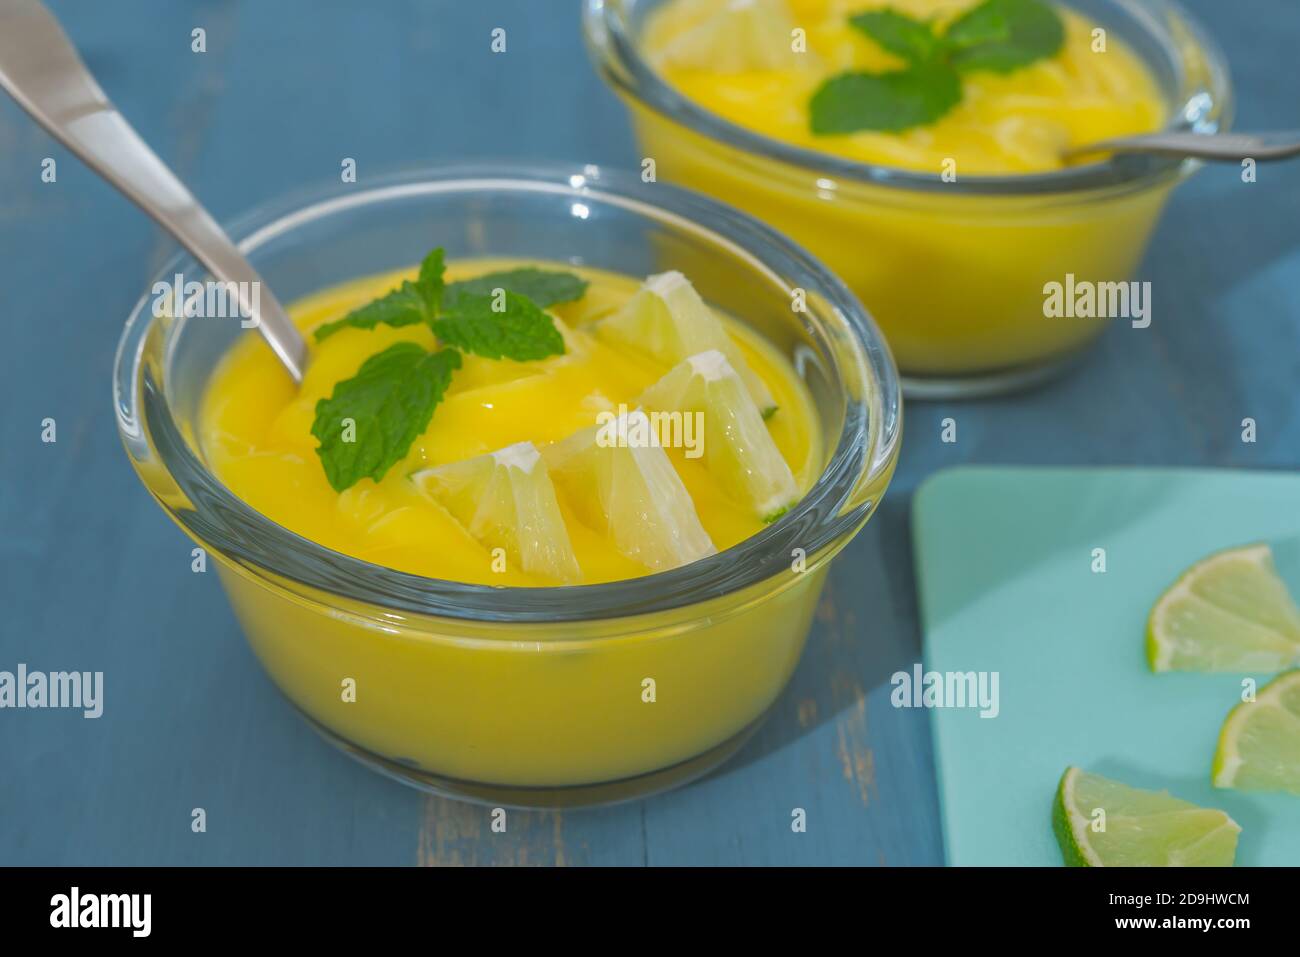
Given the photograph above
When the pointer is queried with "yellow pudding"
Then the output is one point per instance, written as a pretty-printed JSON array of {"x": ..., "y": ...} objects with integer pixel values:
[
  {"x": 256, "y": 434},
  {"x": 949, "y": 231},
  {"x": 1006, "y": 124},
  {"x": 467, "y": 704}
]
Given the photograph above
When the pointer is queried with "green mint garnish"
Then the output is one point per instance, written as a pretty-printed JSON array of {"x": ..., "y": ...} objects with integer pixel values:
[
  {"x": 369, "y": 421},
  {"x": 885, "y": 101},
  {"x": 913, "y": 40},
  {"x": 997, "y": 35},
  {"x": 1004, "y": 35},
  {"x": 428, "y": 297},
  {"x": 517, "y": 330},
  {"x": 543, "y": 287},
  {"x": 430, "y": 279},
  {"x": 404, "y": 306},
  {"x": 408, "y": 304}
]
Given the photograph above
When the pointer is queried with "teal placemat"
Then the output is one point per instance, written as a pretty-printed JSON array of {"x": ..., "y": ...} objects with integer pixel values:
[{"x": 1005, "y": 561}]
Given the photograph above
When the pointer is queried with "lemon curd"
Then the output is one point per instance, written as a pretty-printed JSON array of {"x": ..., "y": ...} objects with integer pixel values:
[
  {"x": 256, "y": 434},
  {"x": 953, "y": 273}
]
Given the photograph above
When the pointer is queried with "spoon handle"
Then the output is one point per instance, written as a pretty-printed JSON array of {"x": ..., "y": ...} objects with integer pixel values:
[
  {"x": 41, "y": 70},
  {"x": 1206, "y": 146}
]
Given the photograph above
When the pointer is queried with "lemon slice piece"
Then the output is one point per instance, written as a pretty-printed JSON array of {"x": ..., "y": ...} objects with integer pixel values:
[
  {"x": 737, "y": 449},
  {"x": 505, "y": 499},
  {"x": 733, "y": 36},
  {"x": 620, "y": 482},
  {"x": 1259, "y": 746},
  {"x": 1228, "y": 612},
  {"x": 667, "y": 319},
  {"x": 1140, "y": 828}
]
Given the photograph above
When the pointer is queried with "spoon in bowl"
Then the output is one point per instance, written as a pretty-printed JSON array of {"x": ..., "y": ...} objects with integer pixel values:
[
  {"x": 1228, "y": 147},
  {"x": 40, "y": 69}
]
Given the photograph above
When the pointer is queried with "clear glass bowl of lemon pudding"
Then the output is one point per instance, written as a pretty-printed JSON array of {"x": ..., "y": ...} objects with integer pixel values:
[
  {"x": 517, "y": 610},
  {"x": 953, "y": 228}
]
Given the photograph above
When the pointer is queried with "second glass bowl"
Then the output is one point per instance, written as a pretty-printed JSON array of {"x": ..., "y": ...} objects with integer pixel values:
[{"x": 954, "y": 272}]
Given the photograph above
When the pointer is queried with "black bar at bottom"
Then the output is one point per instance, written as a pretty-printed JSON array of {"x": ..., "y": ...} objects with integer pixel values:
[{"x": 215, "y": 905}]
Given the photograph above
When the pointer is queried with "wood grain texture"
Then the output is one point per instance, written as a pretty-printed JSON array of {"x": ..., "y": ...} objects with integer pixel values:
[{"x": 93, "y": 577}]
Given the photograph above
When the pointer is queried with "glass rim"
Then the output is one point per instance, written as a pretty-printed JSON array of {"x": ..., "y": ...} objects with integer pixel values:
[
  {"x": 618, "y": 60},
  {"x": 833, "y": 509}
]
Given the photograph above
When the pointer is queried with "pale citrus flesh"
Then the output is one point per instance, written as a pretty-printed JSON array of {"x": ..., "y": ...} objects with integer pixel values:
[
  {"x": 736, "y": 445},
  {"x": 623, "y": 485},
  {"x": 1259, "y": 745},
  {"x": 506, "y": 500},
  {"x": 667, "y": 320},
  {"x": 732, "y": 37},
  {"x": 1104, "y": 823},
  {"x": 1228, "y": 612}
]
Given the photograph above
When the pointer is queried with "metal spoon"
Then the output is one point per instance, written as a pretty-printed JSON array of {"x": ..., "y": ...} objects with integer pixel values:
[
  {"x": 41, "y": 70},
  {"x": 1229, "y": 147}
]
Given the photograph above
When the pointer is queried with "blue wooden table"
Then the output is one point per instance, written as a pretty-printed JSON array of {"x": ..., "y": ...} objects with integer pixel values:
[{"x": 93, "y": 577}]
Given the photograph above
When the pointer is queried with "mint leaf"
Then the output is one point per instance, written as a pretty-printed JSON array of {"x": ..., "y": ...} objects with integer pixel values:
[
  {"x": 409, "y": 303},
  {"x": 898, "y": 33},
  {"x": 389, "y": 402},
  {"x": 544, "y": 287},
  {"x": 404, "y": 306},
  {"x": 888, "y": 102},
  {"x": 521, "y": 331},
  {"x": 977, "y": 26},
  {"x": 430, "y": 281},
  {"x": 1004, "y": 35}
]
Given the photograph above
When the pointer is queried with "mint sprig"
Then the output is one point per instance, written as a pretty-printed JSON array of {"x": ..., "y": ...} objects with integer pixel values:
[
  {"x": 370, "y": 420},
  {"x": 424, "y": 299},
  {"x": 997, "y": 35}
]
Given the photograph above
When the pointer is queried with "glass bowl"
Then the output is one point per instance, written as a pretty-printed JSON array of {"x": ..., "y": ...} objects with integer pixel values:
[
  {"x": 525, "y": 696},
  {"x": 954, "y": 272}
]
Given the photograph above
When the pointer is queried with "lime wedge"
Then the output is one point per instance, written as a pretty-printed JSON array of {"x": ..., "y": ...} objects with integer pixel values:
[
  {"x": 1139, "y": 828},
  {"x": 734, "y": 36},
  {"x": 1259, "y": 745},
  {"x": 1228, "y": 612},
  {"x": 622, "y": 484},
  {"x": 505, "y": 499},
  {"x": 667, "y": 319},
  {"x": 737, "y": 448}
]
